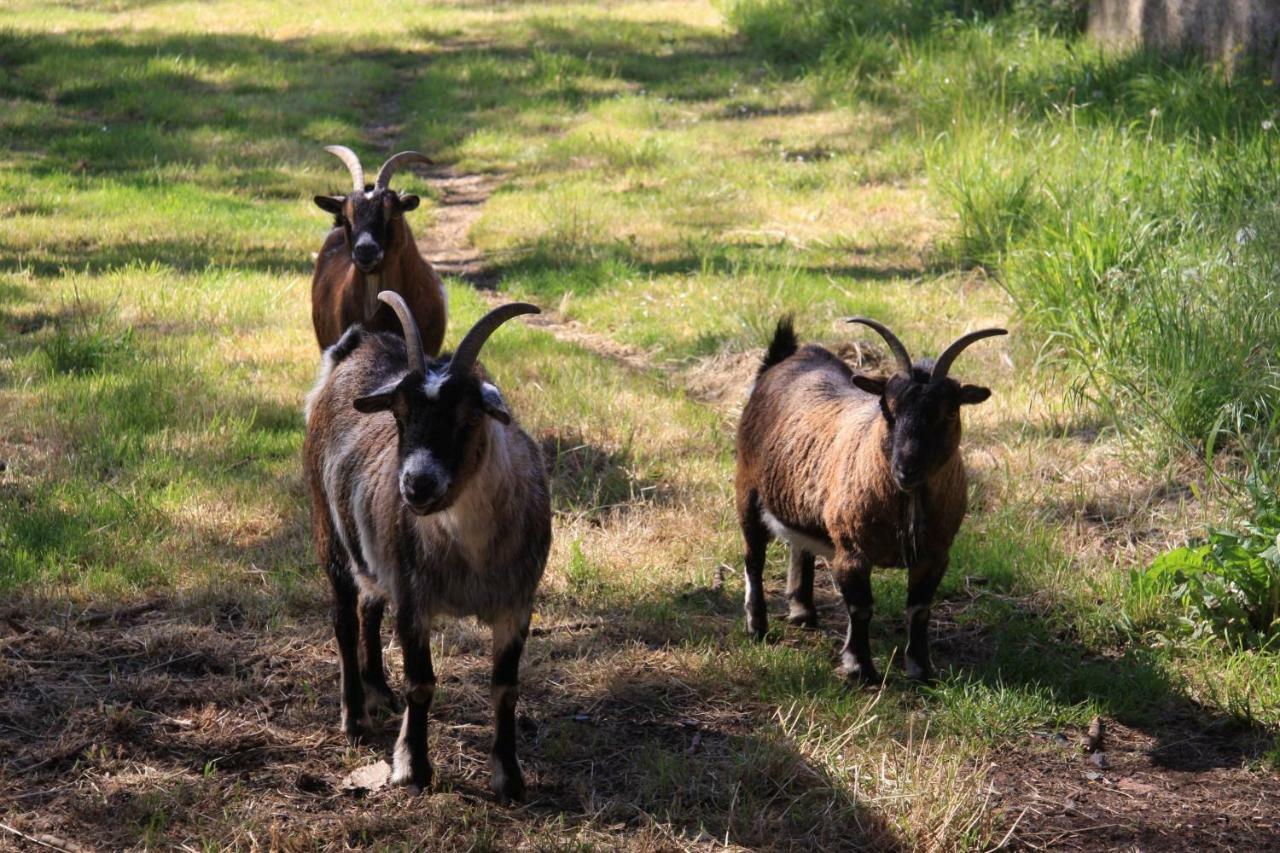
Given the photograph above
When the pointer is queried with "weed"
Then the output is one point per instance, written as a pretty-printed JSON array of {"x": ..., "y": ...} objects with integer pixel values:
[{"x": 1227, "y": 588}]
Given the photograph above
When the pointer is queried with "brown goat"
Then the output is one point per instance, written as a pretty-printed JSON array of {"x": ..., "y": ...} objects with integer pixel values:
[
  {"x": 427, "y": 494},
  {"x": 861, "y": 470},
  {"x": 371, "y": 249}
]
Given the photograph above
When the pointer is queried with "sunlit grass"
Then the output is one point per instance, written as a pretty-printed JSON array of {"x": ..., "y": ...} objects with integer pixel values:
[{"x": 668, "y": 190}]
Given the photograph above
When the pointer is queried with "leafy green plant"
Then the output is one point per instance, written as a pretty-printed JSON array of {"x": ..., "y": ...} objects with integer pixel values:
[{"x": 1228, "y": 587}]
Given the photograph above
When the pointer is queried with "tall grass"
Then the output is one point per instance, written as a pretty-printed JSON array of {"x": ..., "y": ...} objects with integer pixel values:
[{"x": 1124, "y": 200}]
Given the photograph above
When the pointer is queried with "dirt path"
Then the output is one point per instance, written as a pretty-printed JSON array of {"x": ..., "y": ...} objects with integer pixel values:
[{"x": 447, "y": 245}]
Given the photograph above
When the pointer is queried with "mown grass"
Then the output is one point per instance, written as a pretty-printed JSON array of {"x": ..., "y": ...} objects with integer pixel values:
[{"x": 672, "y": 190}]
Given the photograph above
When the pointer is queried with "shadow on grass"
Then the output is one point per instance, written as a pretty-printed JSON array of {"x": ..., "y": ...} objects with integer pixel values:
[
  {"x": 1030, "y": 664},
  {"x": 178, "y": 255},
  {"x": 1022, "y": 650},
  {"x": 984, "y": 44},
  {"x": 233, "y": 711},
  {"x": 551, "y": 269},
  {"x": 593, "y": 482}
]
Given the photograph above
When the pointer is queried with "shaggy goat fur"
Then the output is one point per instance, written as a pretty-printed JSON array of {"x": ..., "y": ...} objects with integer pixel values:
[
  {"x": 862, "y": 471},
  {"x": 370, "y": 249},
  {"x": 425, "y": 494}
]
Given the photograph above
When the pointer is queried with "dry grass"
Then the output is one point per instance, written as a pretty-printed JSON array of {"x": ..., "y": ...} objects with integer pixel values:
[{"x": 667, "y": 199}]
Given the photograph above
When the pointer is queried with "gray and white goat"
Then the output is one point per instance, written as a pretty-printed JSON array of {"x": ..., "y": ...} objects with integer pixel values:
[{"x": 427, "y": 494}]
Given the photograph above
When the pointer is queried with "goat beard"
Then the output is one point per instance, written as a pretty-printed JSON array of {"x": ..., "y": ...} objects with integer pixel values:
[
  {"x": 372, "y": 284},
  {"x": 910, "y": 524}
]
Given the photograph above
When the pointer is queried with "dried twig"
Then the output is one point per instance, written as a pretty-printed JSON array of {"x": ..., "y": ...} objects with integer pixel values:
[
  {"x": 53, "y": 842},
  {"x": 100, "y": 616}
]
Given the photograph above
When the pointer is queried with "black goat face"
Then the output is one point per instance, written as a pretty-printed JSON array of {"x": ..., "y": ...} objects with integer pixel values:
[
  {"x": 370, "y": 221},
  {"x": 923, "y": 419},
  {"x": 443, "y": 436}
]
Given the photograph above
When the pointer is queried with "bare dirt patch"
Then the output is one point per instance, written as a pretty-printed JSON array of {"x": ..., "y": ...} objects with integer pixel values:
[
  {"x": 446, "y": 244},
  {"x": 1062, "y": 799},
  {"x": 158, "y": 725}
]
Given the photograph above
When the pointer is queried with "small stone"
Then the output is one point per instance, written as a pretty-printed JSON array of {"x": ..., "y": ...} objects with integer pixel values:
[
  {"x": 371, "y": 777},
  {"x": 1095, "y": 740}
]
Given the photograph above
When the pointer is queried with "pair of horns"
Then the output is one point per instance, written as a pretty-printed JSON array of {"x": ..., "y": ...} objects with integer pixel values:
[
  {"x": 940, "y": 367},
  {"x": 464, "y": 357},
  {"x": 352, "y": 162}
]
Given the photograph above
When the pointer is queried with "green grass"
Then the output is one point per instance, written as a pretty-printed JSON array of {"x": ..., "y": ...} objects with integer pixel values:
[
  {"x": 673, "y": 184},
  {"x": 1121, "y": 199}
]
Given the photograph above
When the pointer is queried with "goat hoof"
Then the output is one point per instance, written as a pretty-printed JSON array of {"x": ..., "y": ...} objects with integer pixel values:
[
  {"x": 803, "y": 618},
  {"x": 861, "y": 676},
  {"x": 356, "y": 728},
  {"x": 378, "y": 699},
  {"x": 921, "y": 673},
  {"x": 507, "y": 784},
  {"x": 416, "y": 782}
]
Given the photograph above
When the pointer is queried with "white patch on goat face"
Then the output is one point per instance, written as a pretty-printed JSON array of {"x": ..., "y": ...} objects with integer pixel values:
[
  {"x": 432, "y": 384},
  {"x": 803, "y": 541},
  {"x": 420, "y": 463}
]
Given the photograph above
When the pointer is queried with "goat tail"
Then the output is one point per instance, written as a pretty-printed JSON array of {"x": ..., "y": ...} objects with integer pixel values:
[{"x": 783, "y": 345}]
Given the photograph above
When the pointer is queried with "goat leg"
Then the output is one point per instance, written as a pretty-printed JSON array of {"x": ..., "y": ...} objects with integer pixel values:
[
  {"x": 853, "y": 576},
  {"x": 346, "y": 629},
  {"x": 921, "y": 584},
  {"x": 377, "y": 693},
  {"x": 756, "y": 537},
  {"x": 509, "y": 635},
  {"x": 410, "y": 763},
  {"x": 800, "y": 609}
]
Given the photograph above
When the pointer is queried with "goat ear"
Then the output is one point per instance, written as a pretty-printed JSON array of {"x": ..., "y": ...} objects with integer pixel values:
[
  {"x": 873, "y": 385},
  {"x": 378, "y": 401},
  {"x": 493, "y": 404},
  {"x": 971, "y": 394},
  {"x": 409, "y": 202},
  {"x": 331, "y": 203}
]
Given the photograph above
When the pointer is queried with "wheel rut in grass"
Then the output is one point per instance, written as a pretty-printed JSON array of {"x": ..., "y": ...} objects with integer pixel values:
[{"x": 447, "y": 245}]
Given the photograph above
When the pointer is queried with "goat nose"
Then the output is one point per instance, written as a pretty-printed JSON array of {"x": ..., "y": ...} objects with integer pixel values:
[
  {"x": 906, "y": 474},
  {"x": 420, "y": 489}
]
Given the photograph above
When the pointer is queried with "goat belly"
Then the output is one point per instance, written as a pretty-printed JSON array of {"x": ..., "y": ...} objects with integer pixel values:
[{"x": 814, "y": 541}]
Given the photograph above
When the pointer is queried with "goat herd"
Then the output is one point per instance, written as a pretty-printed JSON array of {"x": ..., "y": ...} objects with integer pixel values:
[{"x": 426, "y": 493}]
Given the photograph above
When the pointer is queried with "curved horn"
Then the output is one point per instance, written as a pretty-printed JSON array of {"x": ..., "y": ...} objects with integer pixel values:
[
  {"x": 943, "y": 364},
  {"x": 900, "y": 353},
  {"x": 395, "y": 162},
  {"x": 412, "y": 340},
  {"x": 352, "y": 162},
  {"x": 465, "y": 356}
]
